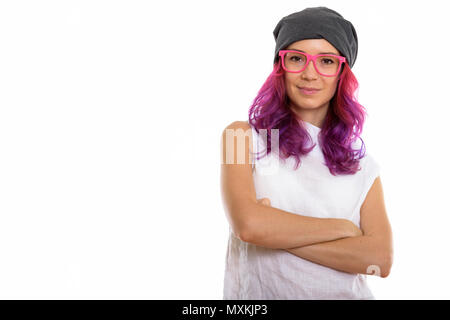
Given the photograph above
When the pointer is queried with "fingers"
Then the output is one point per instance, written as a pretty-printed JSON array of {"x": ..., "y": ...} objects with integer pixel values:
[{"x": 264, "y": 201}]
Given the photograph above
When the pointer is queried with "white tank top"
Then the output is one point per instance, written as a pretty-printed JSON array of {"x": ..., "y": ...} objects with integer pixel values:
[{"x": 255, "y": 272}]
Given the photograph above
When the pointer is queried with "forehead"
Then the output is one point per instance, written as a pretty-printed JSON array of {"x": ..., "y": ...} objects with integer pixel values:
[{"x": 313, "y": 46}]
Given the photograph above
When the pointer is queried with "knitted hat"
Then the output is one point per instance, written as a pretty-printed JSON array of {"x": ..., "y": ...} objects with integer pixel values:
[{"x": 317, "y": 23}]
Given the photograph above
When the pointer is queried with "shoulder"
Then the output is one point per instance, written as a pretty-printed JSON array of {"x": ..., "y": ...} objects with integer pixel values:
[
  {"x": 238, "y": 125},
  {"x": 239, "y": 129},
  {"x": 370, "y": 161},
  {"x": 237, "y": 138},
  {"x": 370, "y": 168}
]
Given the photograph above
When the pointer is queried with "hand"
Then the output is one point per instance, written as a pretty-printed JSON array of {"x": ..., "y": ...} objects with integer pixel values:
[
  {"x": 353, "y": 230},
  {"x": 264, "y": 201}
]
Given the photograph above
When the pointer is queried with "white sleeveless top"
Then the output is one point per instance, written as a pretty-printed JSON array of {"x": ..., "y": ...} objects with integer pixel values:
[{"x": 255, "y": 272}]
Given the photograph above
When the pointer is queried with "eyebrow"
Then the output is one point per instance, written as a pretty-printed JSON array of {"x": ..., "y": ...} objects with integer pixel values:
[{"x": 336, "y": 54}]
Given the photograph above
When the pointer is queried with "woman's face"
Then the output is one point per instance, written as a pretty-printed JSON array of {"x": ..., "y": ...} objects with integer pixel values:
[{"x": 311, "y": 106}]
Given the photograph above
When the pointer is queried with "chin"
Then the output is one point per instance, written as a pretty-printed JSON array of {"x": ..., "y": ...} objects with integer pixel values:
[{"x": 308, "y": 103}]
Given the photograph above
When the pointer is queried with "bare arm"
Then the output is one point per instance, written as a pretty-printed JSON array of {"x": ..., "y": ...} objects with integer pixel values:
[
  {"x": 279, "y": 229},
  {"x": 259, "y": 224},
  {"x": 370, "y": 253}
]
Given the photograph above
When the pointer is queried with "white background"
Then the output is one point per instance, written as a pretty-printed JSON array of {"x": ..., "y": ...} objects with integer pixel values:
[{"x": 110, "y": 120}]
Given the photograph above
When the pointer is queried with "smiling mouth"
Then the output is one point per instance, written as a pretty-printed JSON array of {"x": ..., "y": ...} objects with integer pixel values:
[{"x": 308, "y": 91}]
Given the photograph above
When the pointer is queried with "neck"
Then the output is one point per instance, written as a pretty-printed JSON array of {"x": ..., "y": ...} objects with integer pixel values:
[{"x": 314, "y": 116}]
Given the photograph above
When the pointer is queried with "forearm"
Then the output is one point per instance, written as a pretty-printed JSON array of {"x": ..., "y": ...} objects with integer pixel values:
[
  {"x": 278, "y": 229},
  {"x": 361, "y": 254}
]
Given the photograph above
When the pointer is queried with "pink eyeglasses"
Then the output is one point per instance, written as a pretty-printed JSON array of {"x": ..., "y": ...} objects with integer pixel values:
[{"x": 295, "y": 61}]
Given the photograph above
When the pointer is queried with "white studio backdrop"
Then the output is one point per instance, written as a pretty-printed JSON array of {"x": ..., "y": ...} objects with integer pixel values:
[{"x": 110, "y": 120}]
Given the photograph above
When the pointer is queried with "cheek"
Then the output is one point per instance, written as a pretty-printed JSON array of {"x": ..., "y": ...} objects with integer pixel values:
[
  {"x": 331, "y": 88},
  {"x": 290, "y": 85},
  {"x": 289, "y": 80}
]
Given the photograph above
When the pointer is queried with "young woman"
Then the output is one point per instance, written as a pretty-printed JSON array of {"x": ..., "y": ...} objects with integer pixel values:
[{"x": 307, "y": 217}]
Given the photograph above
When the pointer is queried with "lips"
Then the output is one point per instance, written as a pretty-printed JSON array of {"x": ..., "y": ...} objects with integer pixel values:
[
  {"x": 309, "y": 89},
  {"x": 306, "y": 90}
]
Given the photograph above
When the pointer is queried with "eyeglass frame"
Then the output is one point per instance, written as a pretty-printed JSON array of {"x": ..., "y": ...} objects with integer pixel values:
[{"x": 312, "y": 57}]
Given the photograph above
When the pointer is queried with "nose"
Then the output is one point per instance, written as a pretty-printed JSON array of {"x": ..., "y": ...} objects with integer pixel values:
[{"x": 310, "y": 70}]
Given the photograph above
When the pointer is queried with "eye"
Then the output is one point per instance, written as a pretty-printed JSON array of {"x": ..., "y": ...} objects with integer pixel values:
[
  {"x": 327, "y": 61},
  {"x": 295, "y": 58}
]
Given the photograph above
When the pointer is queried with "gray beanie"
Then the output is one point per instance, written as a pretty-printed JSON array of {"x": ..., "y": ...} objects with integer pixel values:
[{"x": 317, "y": 23}]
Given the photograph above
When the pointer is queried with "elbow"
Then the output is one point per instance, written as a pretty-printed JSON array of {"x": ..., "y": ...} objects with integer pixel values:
[
  {"x": 245, "y": 233},
  {"x": 244, "y": 226},
  {"x": 382, "y": 268},
  {"x": 240, "y": 232},
  {"x": 241, "y": 229},
  {"x": 387, "y": 264},
  {"x": 387, "y": 267},
  {"x": 384, "y": 257}
]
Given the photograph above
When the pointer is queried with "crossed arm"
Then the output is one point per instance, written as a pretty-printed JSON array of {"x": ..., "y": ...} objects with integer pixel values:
[
  {"x": 370, "y": 253},
  {"x": 335, "y": 243},
  {"x": 361, "y": 254}
]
